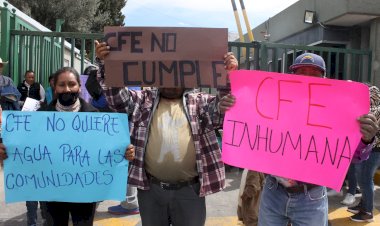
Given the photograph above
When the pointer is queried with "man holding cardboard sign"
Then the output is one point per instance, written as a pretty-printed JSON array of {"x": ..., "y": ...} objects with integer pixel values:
[
  {"x": 178, "y": 160},
  {"x": 302, "y": 203}
]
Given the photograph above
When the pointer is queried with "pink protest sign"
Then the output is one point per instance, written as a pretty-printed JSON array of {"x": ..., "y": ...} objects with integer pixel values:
[{"x": 298, "y": 127}]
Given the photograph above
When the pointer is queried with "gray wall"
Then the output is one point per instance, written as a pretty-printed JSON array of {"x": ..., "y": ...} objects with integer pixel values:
[
  {"x": 362, "y": 32},
  {"x": 375, "y": 47},
  {"x": 285, "y": 26}
]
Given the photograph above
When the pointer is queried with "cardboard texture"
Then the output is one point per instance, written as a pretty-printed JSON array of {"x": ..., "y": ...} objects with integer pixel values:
[{"x": 166, "y": 57}]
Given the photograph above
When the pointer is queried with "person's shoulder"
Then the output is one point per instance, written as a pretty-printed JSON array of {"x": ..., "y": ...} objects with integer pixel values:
[
  {"x": 374, "y": 92},
  {"x": 86, "y": 107},
  {"x": 374, "y": 89},
  {"x": 48, "y": 107},
  {"x": 374, "y": 97},
  {"x": 150, "y": 92},
  {"x": 6, "y": 80}
]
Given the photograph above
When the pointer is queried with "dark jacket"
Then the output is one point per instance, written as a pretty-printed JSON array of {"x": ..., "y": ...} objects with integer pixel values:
[
  {"x": 34, "y": 91},
  {"x": 85, "y": 107}
]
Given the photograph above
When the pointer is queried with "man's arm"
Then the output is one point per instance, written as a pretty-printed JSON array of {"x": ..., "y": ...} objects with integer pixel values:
[
  {"x": 224, "y": 100},
  {"x": 118, "y": 99},
  {"x": 3, "y": 154},
  {"x": 369, "y": 127}
]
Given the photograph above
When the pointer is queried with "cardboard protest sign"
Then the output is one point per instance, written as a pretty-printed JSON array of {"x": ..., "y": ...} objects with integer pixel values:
[
  {"x": 61, "y": 156},
  {"x": 298, "y": 127},
  {"x": 165, "y": 57}
]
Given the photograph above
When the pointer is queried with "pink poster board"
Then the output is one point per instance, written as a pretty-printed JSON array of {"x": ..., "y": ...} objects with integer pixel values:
[{"x": 298, "y": 127}]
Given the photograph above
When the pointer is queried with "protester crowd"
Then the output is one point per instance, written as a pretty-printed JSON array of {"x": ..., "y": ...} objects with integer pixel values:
[{"x": 175, "y": 158}]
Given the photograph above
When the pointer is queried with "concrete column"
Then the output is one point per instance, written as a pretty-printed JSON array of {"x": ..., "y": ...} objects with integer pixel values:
[
  {"x": 364, "y": 45},
  {"x": 374, "y": 45},
  {"x": 364, "y": 40},
  {"x": 354, "y": 43}
]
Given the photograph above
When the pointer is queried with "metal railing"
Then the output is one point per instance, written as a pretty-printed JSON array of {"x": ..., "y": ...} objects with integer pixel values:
[
  {"x": 27, "y": 48},
  {"x": 345, "y": 64},
  {"x": 46, "y": 52}
]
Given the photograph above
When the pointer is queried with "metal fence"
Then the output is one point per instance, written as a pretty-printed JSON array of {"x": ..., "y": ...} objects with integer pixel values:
[
  {"x": 45, "y": 52},
  {"x": 27, "y": 48},
  {"x": 345, "y": 64}
]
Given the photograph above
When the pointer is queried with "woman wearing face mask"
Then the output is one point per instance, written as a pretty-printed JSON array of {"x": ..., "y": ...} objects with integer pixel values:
[{"x": 67, "y": 88}]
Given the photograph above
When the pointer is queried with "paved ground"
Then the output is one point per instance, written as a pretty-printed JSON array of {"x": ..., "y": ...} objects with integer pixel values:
[
  {"x": 339, "y": 216},
  {"x": 221, "y": 209}
]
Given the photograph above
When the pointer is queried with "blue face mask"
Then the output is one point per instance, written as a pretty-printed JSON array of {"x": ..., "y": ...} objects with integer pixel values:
[{"x": 68, "y": 99}]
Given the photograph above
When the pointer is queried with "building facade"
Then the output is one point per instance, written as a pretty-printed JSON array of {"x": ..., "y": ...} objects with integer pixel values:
[{"x": 347, "y": 24}]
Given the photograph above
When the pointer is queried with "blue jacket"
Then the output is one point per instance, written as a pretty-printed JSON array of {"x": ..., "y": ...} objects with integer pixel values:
[{"x": 9, "y": 94}]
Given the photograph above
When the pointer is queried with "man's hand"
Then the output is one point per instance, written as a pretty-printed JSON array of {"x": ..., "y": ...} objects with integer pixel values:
[
  {"x": 3, "y": 154},
  {"x": 230, "y": 62},
  {"x": 130, "y": 153},
  {"x": 101, "y": 49},
  {"x": 368, "y": 127},
  {"x": 226, "y": 103}
]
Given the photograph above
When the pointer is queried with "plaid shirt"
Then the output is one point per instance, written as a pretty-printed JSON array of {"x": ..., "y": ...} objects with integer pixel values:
[{"x": 203, "y": 115}]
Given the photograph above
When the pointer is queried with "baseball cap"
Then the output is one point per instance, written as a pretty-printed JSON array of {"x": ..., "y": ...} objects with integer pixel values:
[{"x": 309, "y": 59}]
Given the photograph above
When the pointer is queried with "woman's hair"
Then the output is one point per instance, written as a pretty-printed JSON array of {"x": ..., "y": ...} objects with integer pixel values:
[
  {"x": 89, "y": 69},
  {"x": 63, "y": 70},
  {"x": 51, "y": 77}
]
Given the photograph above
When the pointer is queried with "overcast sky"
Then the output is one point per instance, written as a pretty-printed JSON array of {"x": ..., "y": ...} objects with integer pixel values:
[{"x": 199, "y": 13}]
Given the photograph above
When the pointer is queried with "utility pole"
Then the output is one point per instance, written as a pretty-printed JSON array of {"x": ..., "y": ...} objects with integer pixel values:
[
  {"x": 237, "y": 19},
  {"x": 249, "y": 30}
]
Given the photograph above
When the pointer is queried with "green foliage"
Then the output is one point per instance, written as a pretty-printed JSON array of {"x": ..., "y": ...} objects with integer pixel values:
[
  {"x": 112, "y": 10},
  {"x": 79, "y": 15}
]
